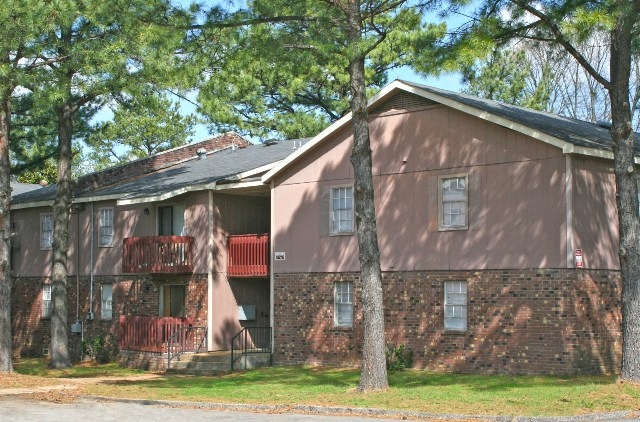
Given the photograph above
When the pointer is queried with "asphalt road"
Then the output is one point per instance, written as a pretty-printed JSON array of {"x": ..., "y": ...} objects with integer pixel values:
[{"x": 13, "y": 408}]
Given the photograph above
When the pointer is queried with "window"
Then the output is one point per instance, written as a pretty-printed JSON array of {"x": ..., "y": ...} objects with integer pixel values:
[
  {"x": 46, "y": 301},
  {"x": 455, "y": 305},
  {"x": 452, "y": 206},
  {"x": 46, "y": 231},
  {"x": 342, "y": 210},
  {"x": 106, "y": 295},
  {"x": 343, "y": 304},
  {"x": 105, "y": 227}
]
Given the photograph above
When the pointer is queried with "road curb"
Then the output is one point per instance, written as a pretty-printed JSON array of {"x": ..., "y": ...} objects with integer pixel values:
[{"x": 365, "y": 412}]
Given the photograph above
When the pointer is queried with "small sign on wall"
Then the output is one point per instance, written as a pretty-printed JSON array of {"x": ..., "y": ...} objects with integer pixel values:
[
  {"x": 579, "y": 260},
  {"x": 280, "y": 256}
]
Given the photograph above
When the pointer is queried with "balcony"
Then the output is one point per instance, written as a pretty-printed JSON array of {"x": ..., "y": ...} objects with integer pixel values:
[
  {"x": 157, "y": 255},
  {"x": 248, "y": 255}
]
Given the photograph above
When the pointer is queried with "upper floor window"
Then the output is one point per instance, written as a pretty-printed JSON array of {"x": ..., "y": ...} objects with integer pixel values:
[
  {"x": 46, "y": 231},
  {"x": 343, "y": 304},
  {"x": 342, "y": 210},
  {"x": 455, "y": 305},
  {"x": 453, "y": 202},
  {"x": 105, "y": 227}
]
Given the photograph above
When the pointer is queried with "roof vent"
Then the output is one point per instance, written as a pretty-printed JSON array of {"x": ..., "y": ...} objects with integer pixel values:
[
  {"x": 270, "y": 142},
  {"x": 202, "y": 153},
  {"x": 604, "y": 124},
  {"x": 234, "y": 147}
]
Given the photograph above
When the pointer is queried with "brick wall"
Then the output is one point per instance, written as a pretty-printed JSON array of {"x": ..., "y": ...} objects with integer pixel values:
[
  {"x": 158, "y": 161},
  {"x": 132, "y": 295},
  {"x": 519, "y": 321}
]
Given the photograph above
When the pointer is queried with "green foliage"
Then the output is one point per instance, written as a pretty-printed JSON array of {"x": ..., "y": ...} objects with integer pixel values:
[
  {"x": 142, "y": 125},
  {"x": 507, "y": 77},
  {"x": 399, "y": 357},
  {"x": 290, "y": 79},
  {"x": 95, "y": 349}
]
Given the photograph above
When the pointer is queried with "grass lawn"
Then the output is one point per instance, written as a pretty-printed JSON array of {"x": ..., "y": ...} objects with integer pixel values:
[{"x": 410, "y": 390}]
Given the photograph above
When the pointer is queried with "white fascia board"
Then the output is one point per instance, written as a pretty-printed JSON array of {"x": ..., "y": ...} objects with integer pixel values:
[
  {"x": 97, "y": 198},
  {"x": 253, "y": 172},
  {"x": 240, "y": 185},
  {"x": 339, "y": 124},
  {"x": 34, "y": 204},
  {"x": 166, "y": 195}
]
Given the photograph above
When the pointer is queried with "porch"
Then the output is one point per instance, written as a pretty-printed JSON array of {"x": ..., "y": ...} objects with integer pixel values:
[
  {"x": 161, "y": 334},
  {"x": 157, "y": 255}
]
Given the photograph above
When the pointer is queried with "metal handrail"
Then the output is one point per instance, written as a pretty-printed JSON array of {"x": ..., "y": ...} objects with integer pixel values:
[
  {"x": 185, "y": 339},
  {"x": 250, "y": 340}
]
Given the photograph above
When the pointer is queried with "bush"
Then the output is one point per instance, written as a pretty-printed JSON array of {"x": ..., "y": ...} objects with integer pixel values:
[
  {"x": 95, "y": 349},
  {"x": 399, "y": 357}
]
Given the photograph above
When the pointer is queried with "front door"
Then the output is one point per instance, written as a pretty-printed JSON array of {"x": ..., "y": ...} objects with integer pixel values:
[{"x": 172, "y": 301}]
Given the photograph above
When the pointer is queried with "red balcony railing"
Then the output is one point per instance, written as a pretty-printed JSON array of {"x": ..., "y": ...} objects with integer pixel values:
[
  {"x": 157, "y": 255},
  {"x": 248, "y": 255},
  {"x": 149, "y": 334}
]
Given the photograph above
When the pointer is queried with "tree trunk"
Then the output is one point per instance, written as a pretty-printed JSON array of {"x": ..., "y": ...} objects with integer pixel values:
[
  {"x": 374, "y": 369},
  {"x": 626, "y": 186},
  {"x": 6, "y": 364},
  {"x": 61, "y": 209}
]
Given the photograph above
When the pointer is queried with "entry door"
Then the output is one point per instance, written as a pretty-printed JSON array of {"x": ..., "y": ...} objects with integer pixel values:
[
  {"x": 172, "y": 301},
  {"x": 171, "y": 220}
]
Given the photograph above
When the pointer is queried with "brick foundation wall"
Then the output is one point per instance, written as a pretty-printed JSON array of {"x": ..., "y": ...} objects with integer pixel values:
[
  {"x": 519, "y": 321},
  {"x": 132, "y": 295}
]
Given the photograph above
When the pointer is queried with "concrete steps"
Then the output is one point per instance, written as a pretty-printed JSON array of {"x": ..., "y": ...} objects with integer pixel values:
[{"x": 216, "y": 363}]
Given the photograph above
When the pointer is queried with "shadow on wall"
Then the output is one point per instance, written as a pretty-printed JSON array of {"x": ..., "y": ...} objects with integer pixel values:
[{"x": 522, "y": 320}]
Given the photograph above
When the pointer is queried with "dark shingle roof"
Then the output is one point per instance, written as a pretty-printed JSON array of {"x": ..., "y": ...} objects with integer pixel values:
[
  {"x": 194, "y": 173},
  {"x": 17, "y": 188},
  {"x": 576, "y": 132}
]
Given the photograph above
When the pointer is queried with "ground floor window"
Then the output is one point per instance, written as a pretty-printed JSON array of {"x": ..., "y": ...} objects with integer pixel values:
[
  {"x": 455, "y": 305},
  {"x": 106, "y": 309},
  {"x": 172, "y": 301},
  {"x": 343, "y": 304},
  {"x": 46, "y": 301}
]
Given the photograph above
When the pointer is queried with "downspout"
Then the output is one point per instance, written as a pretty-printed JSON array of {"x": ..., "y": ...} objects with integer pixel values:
[
  {"x": 78, "y": 265},
  {"x": 271, "y": 271},
  {"x": 568, "y": 194},
  {"x": 210, "y": 272},
  {"x": 90, "y": 314}
]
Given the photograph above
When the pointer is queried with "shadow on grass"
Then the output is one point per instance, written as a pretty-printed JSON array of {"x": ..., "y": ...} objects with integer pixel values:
[{"x": 306, "y": 377}]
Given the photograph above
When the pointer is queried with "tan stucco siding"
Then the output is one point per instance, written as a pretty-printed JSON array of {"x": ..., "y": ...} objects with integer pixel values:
[
  {"x": 595, "y": 222},
  {"x": 516, "y": 198}
]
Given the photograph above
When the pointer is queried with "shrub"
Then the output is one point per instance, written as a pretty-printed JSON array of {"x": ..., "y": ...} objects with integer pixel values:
[
  {"x": 95, "y": 349},
  {"x": 399, "y": 357}
]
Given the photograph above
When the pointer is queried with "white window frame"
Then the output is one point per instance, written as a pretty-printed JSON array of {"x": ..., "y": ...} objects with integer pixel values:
[
  {"x": 443, "y": 224},
  {"x": 47, "y": 302},
  {"x": 338, "y": 215},
  {"x": 105, "y": 227},
  {"x": 106, "y": 301},
  {"x": 46, "y": 231},
  {"x": 343, "y": 304},
  {"x": 455, "y": 305}
]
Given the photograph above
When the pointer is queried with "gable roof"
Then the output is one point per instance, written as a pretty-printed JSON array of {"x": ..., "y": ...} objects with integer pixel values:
[
  {"x": 571, "y": 135},
  {"x": 17, "y": 188},
  {"x": 243, "y": 165}
]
